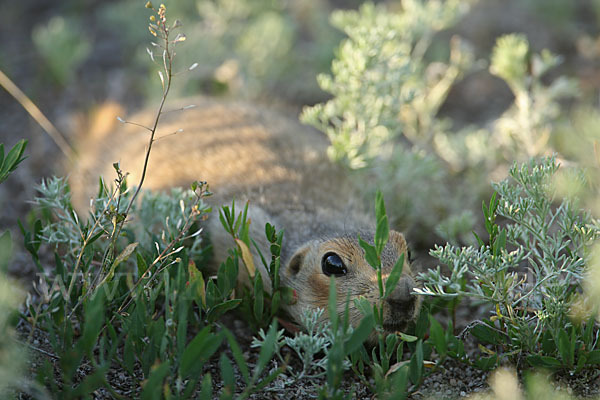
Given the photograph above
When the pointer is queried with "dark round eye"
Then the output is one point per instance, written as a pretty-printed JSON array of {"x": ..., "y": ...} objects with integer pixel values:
[
  {"x": 332, "y": 264},
  {"x": 410, "y": 256}
]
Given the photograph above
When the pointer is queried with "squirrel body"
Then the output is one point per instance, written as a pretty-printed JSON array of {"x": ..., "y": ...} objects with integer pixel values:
[{"x": 253, "y": 154}]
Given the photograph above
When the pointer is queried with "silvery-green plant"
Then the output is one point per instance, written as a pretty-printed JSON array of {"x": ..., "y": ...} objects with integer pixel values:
[
  {"x": 524, "y": 130},
  {"x": 316, "y": 338},
  {"x": 382, "y": 85},
  {"x": 529, "y": 271},
  {"x": 64, "y": 46}
]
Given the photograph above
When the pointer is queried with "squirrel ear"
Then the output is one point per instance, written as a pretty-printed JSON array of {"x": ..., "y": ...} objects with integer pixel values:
[
  {"x": 398, "y": 239},
  {"x": 296, "y": 262}
]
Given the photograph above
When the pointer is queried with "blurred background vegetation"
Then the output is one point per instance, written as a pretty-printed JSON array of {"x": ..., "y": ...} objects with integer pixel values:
[{"x": 459, "y": 108}]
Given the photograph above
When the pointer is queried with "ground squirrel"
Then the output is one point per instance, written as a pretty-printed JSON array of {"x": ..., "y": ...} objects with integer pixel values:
[{"x": 281, "y": 167}]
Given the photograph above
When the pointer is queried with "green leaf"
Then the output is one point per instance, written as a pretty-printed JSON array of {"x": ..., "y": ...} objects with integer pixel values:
[
  {"x": 228, "y": 377},
  {"x": 238, "y": 356},
  {"x": 142, "y": 267},
  {"x": 182, "y": 325},
  {"x": 479, "y": 241},
  {"x": 288, "y": 295},
  {"x": 94, "y": 319},
  {"x": 416, "y": 364},
  {"x": 382, "y": 233},
  {"x": 232, "y": 270},
  {"x": 399, "y": 381},
  {"x": 61, "y": 272},
  {"x": 565, "y": 349},
  {"x": 370, "y": 253},
  {"x": 394, "y": 276},
  {"x": 95, "y": 237},
  {"x": 548, "y": 346},
  {"x": 406, "y": 337},
  {"x": 422, "y": 324},
  {"x": 360, "y": 334},
  {"x": 544, "y": 362},
  {"x": 588, "y": 331},
  {"x": 594, "y": 357},
  {"x": 259, "y": 301},
  {"x": 486, "y": 363},
  {"x": 486, "y": 334},
  {"x": 123, "y": 256},
  {"x": 13, "y": 158},
  {"x": 224, "y": 220},
  {"x": 334, "y": 364},
  {"x": 436, "y": 334},
  {"x": 270, "y": 232},
  {"x": 217, "y": 311},
  {"x": 275, "y": 302},
  {"x": 6, "y": 251},
  {"x": 153, "y": 386},
  {"x": 266, "y": 351},
  {"x": 206, "y": 392},
  {"x": 198, "y": 351},
  {"x": 128, "y": 355},
  {"x": 364, "y": 306},
  {"x": 332, "y": 304},
  {"x": 379, "y": 206},
  {"x": 244, "y": 233}
]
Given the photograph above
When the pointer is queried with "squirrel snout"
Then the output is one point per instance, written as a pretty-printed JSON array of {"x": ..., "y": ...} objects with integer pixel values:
[
  {"x": 403, "y": 290},
  {"x": 401, "y": 302}
]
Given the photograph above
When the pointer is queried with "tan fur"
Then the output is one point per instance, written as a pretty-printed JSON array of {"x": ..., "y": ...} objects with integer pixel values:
[{"x": 281, "y": 167}]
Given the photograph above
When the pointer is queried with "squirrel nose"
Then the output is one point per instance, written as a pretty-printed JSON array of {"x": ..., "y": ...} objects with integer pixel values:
[{"x": 401, "y": 297}]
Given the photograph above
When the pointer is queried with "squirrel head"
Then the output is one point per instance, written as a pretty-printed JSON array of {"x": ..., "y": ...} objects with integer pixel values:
[{"x": 310, "y": 269}]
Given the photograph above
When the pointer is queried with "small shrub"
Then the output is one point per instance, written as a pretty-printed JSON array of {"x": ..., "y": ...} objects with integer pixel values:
[
  {"x": 63, "y": 45},
  {"x": 530, "y": 271},
  {"x": 525, "y": 129}
]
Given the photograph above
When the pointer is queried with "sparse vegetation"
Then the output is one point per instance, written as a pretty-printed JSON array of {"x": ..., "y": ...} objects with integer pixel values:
[{"x": 129, "y": 292}]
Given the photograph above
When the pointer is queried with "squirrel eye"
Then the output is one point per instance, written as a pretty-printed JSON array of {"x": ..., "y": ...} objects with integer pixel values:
[{"x": 332, "y": 264}]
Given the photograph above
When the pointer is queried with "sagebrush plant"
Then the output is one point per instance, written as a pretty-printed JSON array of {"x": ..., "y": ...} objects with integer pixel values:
[
  {"x": 63, "y": 45},
  {"x": 380, "y": 79},
  {"x": 307, "y": 344},
  {"x": 525, "y": 129},
  {"x": 530, "y": 271},
  {"x": 388, "y": 84}
]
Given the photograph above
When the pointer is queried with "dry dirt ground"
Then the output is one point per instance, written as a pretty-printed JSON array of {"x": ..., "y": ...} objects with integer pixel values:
[{"x": 104, "y": 77}]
